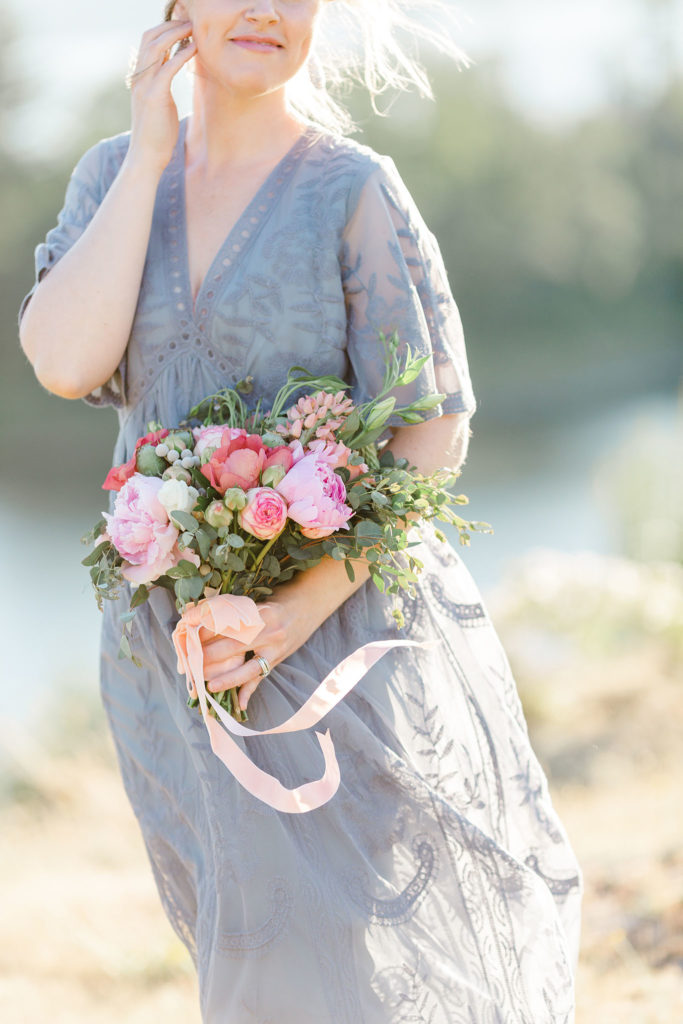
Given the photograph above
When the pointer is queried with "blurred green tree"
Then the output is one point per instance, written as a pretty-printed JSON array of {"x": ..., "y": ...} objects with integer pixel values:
[{"x": 564, "y": 247}]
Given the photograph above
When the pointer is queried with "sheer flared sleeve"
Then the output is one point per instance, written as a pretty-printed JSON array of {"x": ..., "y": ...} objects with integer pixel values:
[
  {"x": 85, "y": 191},
  {"x": 394, "y": 278}
]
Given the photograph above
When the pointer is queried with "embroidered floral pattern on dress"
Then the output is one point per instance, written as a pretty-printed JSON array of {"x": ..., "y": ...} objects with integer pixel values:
[
  {"x": 408, "y": 897},
  {"x": 397, "y": 909},
  {"x": 260, "y": 940}
]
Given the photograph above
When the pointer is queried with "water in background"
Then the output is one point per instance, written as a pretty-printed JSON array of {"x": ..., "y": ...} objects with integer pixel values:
[{"x": 534, "y": 485}]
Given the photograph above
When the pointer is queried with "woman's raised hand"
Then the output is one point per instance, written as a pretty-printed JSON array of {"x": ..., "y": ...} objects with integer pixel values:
[{"x": 154, "y": 116}]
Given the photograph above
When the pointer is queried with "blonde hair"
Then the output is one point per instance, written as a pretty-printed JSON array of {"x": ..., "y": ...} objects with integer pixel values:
[{"x": 373, "y": 43}]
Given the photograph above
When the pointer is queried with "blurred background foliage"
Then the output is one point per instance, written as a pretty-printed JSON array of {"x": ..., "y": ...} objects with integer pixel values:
[{"x": 564, "y": 250}]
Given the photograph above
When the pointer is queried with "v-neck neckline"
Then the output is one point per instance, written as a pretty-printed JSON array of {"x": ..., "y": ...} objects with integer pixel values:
[{"x": 237, "y": 241}]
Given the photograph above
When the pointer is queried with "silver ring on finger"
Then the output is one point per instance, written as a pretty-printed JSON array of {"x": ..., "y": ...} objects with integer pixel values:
[{"x": 264, "y": 665}]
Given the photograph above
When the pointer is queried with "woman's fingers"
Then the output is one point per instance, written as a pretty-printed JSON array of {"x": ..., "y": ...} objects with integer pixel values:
[
  {"x": 174, "y": 63},
  {"x": 156, "y": 41},
  {"x": 215, "y": 674},
  {"x": 154, "y": 49},
  {"x": 246, "y": 677},
  {"x": 220, "y": 648}
]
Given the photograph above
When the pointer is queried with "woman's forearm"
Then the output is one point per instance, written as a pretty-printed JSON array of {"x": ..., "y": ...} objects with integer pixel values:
[
  {"x": 436, "y": 443},
  {"x": 76, "y": 327},
  {"x": 440, "y": 442}
]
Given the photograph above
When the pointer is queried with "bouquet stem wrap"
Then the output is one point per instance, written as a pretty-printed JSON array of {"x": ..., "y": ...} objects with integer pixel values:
[{"x": 238, "y": 618}]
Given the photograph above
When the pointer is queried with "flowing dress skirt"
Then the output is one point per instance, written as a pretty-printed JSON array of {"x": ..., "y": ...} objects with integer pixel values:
[{"x": 437, "y": 885}]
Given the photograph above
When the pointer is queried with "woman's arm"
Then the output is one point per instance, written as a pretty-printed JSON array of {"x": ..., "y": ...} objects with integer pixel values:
[
  {"x": 76, "y": 326},
  {"x": 299, "y": 607}
]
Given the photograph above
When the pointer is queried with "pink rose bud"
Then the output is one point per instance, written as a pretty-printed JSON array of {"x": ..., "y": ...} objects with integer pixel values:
[
  {"x": 218, "y": 515},
  {"x": 265, "y": 513}
]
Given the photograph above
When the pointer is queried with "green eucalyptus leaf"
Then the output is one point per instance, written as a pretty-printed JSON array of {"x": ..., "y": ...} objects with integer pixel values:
[
  {"x": 183, "y": 570},
  {"x": 189, "y": 588},
  {"x": 94, "y": 557},
  {"x": 367, "y": 529},
  {"x": 234, "y": 562},
  {"x": 184, "y": 521},
  {"x": 140, "y": 596},
  {"x": 204, "y": 540},
  {"x": 91, "y": 536},
  {"x": 271, "y": 565}
]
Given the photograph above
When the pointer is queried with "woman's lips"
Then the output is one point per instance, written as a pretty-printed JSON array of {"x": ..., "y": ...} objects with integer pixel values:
[{"x": 250, "y": 44}]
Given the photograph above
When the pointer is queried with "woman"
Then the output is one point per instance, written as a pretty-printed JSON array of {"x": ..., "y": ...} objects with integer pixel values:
[{"x": 438, "y": 884}]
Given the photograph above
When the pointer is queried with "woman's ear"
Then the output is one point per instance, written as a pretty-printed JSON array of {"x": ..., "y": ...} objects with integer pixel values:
[{"x": 177, "y": 10}]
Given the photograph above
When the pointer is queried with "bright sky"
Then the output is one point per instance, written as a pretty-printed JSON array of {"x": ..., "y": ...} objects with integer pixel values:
[{"x": 559, "y": 56}]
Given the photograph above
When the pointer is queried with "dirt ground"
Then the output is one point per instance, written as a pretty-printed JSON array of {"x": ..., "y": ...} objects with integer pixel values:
[{"x": 83, "y": 939}]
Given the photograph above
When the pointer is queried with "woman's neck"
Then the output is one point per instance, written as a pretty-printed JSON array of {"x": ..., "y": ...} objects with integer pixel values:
[{"x": 229, "y": 130}]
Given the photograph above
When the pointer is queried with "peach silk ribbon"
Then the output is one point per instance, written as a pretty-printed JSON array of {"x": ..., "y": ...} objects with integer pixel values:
[{"x": 238, "y": 618}]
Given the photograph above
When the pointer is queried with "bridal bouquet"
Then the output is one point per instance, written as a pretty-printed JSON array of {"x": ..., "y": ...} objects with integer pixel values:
[{"x": 233, "y": 501}]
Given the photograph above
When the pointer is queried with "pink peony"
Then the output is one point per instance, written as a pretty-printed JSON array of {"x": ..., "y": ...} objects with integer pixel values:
[
  {"x": 120, "y": 475},
  {"x": 240, "y": 461},
  {"x": 140, "y": 530},
  {"x": 265, "y": 513},
  {"x": 337, "y": 454},
  {"x": 316, "y": 496}
]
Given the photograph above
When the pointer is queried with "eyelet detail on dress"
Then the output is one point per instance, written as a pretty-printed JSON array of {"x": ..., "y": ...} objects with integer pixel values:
[{"x": 194, "y": 331}]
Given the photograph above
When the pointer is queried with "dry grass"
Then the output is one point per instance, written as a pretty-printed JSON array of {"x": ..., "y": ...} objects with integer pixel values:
[{"x": 86, "y": 941}]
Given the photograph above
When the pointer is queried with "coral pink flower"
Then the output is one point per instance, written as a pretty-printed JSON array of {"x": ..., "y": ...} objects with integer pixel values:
[
  {"x": 119, "y": 475},
  {"x": 240, "y": 461},
  {"x": 316, "y": 496},
  {"x": 140, "y": 530},
  {"x": 265, "y": 514}
]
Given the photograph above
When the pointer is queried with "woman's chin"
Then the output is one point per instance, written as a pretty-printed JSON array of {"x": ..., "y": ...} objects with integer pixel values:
[{"x": 250, "y": 82}]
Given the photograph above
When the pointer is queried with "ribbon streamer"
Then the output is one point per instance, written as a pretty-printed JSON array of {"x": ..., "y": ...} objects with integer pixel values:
[{"x": 238, "y": 618}]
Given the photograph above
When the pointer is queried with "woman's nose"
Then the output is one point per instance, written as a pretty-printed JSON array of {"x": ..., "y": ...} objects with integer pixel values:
[{"x": 262, "y": 10}]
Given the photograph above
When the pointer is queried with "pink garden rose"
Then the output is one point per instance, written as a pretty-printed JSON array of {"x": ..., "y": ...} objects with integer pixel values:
[
  {"x": 240, "y": 461},
  {"x": 214, "y": 437},
  {"x": 265, "y": 513},
  {"x": 316, "y": 496},
  {"x": 141, "y": 531}
]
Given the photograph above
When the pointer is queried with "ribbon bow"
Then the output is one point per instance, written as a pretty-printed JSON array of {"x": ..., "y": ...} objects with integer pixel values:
[{"x": 238, "y": 618}]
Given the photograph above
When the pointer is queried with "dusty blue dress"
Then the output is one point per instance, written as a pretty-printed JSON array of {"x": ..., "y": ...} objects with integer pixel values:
[{"x": 438, "y": 884}]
